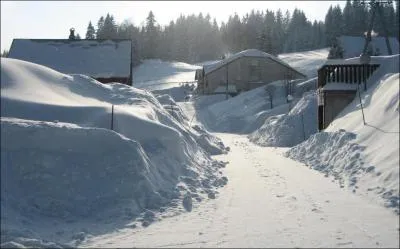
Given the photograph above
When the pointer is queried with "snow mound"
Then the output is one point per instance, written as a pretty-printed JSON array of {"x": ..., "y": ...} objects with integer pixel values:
[
  {"x": 67, "y": 176},
  {"x": 240, "y": 113},
  {"x": 363, "y": 157},
  {"x": 60, "y": 158},
  {"x": 332, "y": 153},
  {"x": 287, "y": 130},
  {"x": 179, "y": 94}
]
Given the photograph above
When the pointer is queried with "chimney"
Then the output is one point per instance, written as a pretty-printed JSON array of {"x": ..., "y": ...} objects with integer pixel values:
[{"x": 72, "y": 34}]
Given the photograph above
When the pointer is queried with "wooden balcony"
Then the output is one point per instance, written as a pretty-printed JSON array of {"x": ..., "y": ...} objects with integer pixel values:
[{"x": 345, "y": 73}]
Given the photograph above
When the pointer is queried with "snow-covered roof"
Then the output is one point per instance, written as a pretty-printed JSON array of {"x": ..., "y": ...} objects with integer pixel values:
[
  {"x": 246, "y": 53},
  {"x": 354, "y": 45},
  {"x": 95, "y": 58}
]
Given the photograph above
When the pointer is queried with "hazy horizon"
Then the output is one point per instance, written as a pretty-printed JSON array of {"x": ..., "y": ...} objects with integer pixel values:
[{"x": 53, "y": 19}]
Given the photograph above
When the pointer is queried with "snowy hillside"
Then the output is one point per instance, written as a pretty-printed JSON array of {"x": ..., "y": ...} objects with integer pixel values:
[
  {"x": 306, "y": 62},
  {"x": 363, "y": 157},
  {"x": 157, "y": 74},
  {"x": 60, "y": 159}
]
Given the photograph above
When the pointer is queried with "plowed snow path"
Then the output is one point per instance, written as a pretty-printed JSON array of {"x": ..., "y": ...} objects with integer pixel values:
[{"x": 269, "y": 201}]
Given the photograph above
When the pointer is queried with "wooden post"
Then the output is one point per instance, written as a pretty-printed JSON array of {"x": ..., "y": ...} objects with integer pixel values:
[
  {"x": 351, "y": 74},
  {"x": 227, "y": 88},
  {"x": 342, "y": 73},
  {"x": 365, "y": 79},
  {"x": 112, "y": 117}
]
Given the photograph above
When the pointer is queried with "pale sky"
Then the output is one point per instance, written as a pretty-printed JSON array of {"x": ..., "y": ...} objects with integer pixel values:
[{"x": 53, "y": 19}]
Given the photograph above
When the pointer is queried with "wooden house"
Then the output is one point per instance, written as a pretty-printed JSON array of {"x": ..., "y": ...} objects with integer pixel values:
[
  {"x": 104, "y": 60},
  {"x": 352, "y": 46},
  {"x": 243, "y": 71}
]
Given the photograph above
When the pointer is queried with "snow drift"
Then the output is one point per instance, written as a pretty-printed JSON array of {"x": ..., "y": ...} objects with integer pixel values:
[
  {"x": 286, "y": 130},
  {"x": 60, "y": 158},
  {"x": 363, "y": 157}
]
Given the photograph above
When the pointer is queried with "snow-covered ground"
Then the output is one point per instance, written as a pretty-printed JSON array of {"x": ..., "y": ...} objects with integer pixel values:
[
  {"x": 266, "y": 199},
  {"x": 62, "y": 162},
  {"x": 269, "y": 201}
]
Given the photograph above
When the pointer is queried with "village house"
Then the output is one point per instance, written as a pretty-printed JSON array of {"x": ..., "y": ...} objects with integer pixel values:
[
  {"x": 104, "y": 60},
  {"x": 350, "y": 46},
  {"x": 243, "y": 71}
]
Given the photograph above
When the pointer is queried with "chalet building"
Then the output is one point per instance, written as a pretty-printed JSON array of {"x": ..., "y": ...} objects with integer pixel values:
[
  {"x": 243, "y": 71},
  {"x": 104, "y": 60},
  {"x": 352, "y": 46}
]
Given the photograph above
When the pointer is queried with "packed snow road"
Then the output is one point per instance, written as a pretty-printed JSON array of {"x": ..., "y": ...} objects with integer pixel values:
[{"x": 269, "y": 201}]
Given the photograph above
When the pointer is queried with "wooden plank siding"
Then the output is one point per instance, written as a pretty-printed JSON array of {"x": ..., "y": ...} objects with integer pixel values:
[{"x": 247, "y": 73}]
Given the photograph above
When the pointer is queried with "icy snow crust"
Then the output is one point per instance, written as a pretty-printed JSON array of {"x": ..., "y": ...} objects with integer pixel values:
[{"x": 61, "y": 161}]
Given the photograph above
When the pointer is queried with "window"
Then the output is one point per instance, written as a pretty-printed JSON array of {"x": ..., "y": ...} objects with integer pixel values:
[{"x": 254, "y": 70}]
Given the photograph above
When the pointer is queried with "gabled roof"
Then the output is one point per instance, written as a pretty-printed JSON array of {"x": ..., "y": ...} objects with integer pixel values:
[
  {"x": 95, "y": 58},
  {"x": 353, "y": 45},
  {"x": 246, "y": 53}
]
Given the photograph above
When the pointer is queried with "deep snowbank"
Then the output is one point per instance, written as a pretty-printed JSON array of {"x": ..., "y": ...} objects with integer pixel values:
[
  {"x": 65, "y": 162},
  {"x": 286, "y": 130},
  {"x": 363, "y": 157},
  {"x": 60, "y": 170},
  {"x": 245, "y": 112}
]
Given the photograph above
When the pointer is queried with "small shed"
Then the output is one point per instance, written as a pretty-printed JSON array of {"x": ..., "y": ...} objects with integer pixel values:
[
  {"x": 338, "y": 83},
  {"x": 243, "y": 71},
  {"x": 104, "y": 60},
  {"x": 352, "y": 46}
]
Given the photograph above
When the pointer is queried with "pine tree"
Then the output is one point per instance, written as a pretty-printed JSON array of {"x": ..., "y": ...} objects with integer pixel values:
[
  {"x": 109, "y": 30},
  {"x": 334, "y": 24},
  {"x": 100, "y": 25},
  {"x": 151, "y": 36},
  {"x": 361, "y": 18},
  {"x": 5, "y": 53},
  {"x": 348, "y": 19},
  {"x": 90, "y": 33},
  {"x": 77, "y": 37}
]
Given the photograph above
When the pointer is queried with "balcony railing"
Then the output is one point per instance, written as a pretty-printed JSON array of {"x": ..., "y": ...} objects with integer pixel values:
[{"x": 345, "y": 73}]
